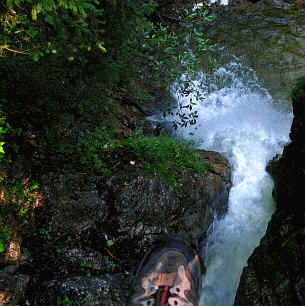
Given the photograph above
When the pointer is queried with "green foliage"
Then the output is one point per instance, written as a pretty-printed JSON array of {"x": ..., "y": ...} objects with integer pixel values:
[
  {"x": 165, "y": 157},
  {"x": 19, "y": 197},
  {"x": 165, "y": 52},
  {"x": 68, "y": 302},
  {"x": 109, "y": 243},
  {"x": 176, "y": 51},
  {"x": 2, "y": 246},
  {"x": 86, "y": 267},
  {"x": 113, "y": 266},
  {"x": 4, "y": 128},
  {"x": 65, "y": 27},
  {"x": 4, "y": 235},
  {"x": 7, "y": 132},
  {"x": 45, "y": 234},
  {"x": 161, "y": 156},
  {"x": 92, "y": 149},
  {"x": 99, "y": 42},
  {"x": 64, "y": 302}
]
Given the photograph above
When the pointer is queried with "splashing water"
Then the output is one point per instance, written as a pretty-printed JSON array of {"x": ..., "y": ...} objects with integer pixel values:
[{"x": 238, "y": 118}]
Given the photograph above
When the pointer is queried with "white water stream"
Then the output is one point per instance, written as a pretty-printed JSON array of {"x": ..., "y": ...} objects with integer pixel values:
[{"x": 239, "y": 119}]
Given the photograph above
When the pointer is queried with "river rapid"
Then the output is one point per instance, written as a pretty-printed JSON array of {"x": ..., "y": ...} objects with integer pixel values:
[
  {"x": 239, "y": 119},
  {"x": 245, "y": 114}
]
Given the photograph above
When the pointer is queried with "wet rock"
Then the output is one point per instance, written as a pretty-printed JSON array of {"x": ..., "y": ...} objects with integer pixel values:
[
  {"x": 74, "y": 203},
  {"x": 152, "y": 128},
  {"x": 90, "y": 258},
  {"x": 26, "y": 257},
  {"x": 130, "y": 119},
  {"x": 103, "y": 290},
  {"x": 12, "y": 288},
  {"x": 289, "y": 170},
  {"x": 275, "y": 274},
  {"x": 147, "y": 205}
]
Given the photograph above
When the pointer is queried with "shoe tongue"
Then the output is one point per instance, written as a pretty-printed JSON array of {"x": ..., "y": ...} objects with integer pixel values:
[
  {"x": 171, "y": 261},
  {"x": 172, "y": 270}
]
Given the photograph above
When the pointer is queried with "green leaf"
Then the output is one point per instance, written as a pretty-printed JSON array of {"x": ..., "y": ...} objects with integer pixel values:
[
  {"x": 36, "y": 57},
  {"x": 4, "y": 234},
  {"x": 23, "y": 211},
  {"x": 1, "y": 147},
  {"x": 2, "y": 246},
  {"x": 49, "y": 19},
  {"x": 38, "y": 8},
  {"x": 109, "y": 243},
  {"x": 31, "y": 33},
  {"x": 210, "y": 18},
  {"x": 9, "y": 2},
  {"x": 197, "y": 32},
  {"x": 34, "y": 13}
]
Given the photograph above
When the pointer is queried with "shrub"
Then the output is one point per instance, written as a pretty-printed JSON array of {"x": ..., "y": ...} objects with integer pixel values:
[
  {"x": 105, "y": 42},
  {"x": 92, "y": 150}
]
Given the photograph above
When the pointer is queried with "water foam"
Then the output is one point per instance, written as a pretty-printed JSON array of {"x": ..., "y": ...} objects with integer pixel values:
[{"x": 238, "y": 118}]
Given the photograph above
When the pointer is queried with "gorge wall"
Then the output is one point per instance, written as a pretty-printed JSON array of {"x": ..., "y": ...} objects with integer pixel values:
[{"x": 275, "y": 274}]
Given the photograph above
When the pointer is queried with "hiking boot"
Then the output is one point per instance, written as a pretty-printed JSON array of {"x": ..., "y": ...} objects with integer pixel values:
[{"x": 170, "y": 274}]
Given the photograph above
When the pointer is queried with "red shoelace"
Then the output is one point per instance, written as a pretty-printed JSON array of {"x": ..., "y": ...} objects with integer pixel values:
[{"x": 164, "y": 295}]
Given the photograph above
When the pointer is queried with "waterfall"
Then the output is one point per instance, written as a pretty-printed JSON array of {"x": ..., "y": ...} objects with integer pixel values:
[{"x": 238, "y": 118}]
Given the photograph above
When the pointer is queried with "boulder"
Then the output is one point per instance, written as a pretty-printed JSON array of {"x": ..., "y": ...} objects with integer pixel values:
[
  {"x": 147, "y": 205},
  {"x": 108, "y": 290},
  {"x": 74, "y": 204}
]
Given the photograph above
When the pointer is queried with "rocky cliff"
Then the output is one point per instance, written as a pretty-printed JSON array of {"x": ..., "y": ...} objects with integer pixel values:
[
  {"x": 92, "y": 230},
  {"x": 275, "y": 274}
]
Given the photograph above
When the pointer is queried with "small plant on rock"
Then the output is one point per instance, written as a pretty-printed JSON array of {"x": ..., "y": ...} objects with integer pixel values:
[
  {"x": 165, "y": 157},
  {"x": 4, "y": 235}
]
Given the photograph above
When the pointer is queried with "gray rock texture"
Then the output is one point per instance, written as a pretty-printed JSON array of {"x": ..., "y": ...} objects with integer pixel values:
[
  {"x": 122, "y": 215},
  {"x": 149, "y": 205}
]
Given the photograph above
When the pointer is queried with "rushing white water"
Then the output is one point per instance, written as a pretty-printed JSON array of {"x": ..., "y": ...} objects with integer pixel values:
[{"x": 239, "y": 119}]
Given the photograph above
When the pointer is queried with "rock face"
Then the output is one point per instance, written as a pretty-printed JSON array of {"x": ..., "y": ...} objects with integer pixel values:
[
  {"x": 289, "y": 170},
  {"x": 139, "y": 204},
  {"x": 108, "y": 290},
  {"x": 95, "y": 230},
  {"x": 147, "y": 205},
  {"x": 275, "y": 274},
  {"x": 128, "y": 210}
]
